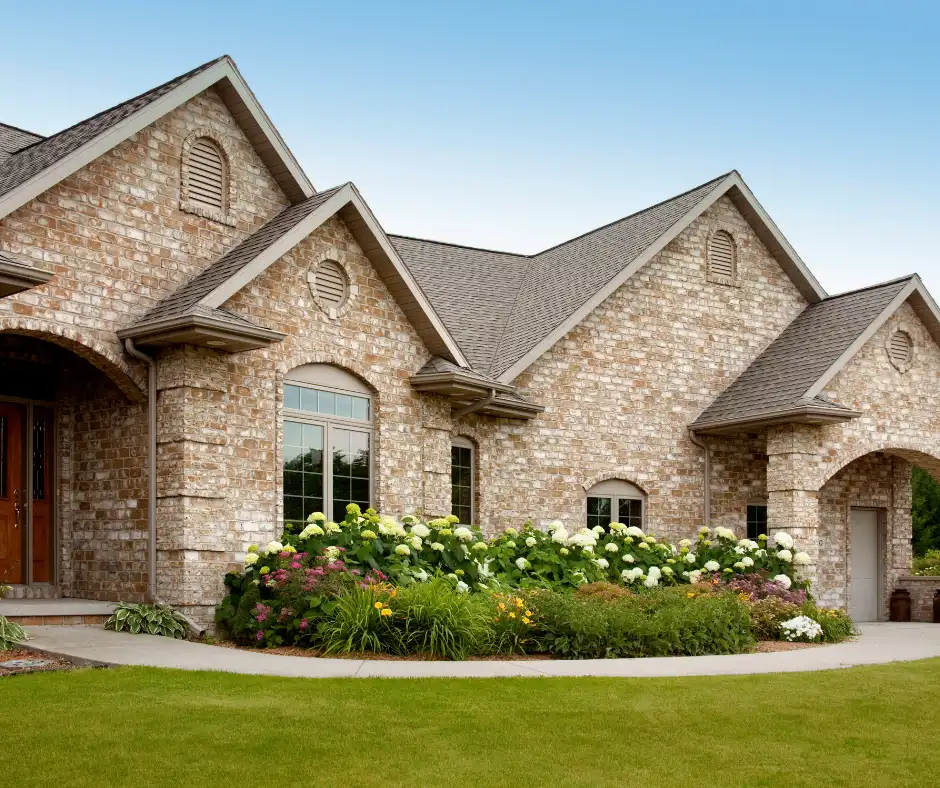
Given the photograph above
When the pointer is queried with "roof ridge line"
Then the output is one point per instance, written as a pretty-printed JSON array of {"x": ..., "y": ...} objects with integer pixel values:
[
  {"x": 635, "y": 213},
  {"x": 835, "y": 296},
  {"x": 458, "y": 246},
  {"x": 184, "y": 75}
]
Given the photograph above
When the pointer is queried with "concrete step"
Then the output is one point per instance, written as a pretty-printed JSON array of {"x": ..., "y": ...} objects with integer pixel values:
[
  {"x": 56, "y": 612},
  {"x": 32, "y": 592}
]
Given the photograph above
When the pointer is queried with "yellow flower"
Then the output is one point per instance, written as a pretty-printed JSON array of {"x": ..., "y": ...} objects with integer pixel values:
[
  {"x": 526, "y": 621},
  {"x": 512, "y": 615},
  {"x": 528, "y": 612},
  {"x": 519, "y": 603},
  {"x": 690, "y": 595},
  {"x": 386, "y": 611},
  {"x": 378, "y": 605},
  {"x": 501, "y": 606}
]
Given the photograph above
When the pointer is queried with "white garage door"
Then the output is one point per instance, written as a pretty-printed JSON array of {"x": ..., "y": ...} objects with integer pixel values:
[{"x": 864, "y": 599}]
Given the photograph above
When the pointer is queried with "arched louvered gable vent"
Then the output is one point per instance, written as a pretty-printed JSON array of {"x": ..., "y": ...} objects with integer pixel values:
[
  {"x": 900, "y": 349},
  {"x": 206, "y": 175},
  {"x": 721, "y": 257},
  {"x": 331, "y": 284}
]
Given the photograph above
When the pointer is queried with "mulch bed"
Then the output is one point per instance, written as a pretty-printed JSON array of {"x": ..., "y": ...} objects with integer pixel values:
[
  {"x": 763, "y": 647},
  {"x": 25, "y": 661},
  {"x": 770, "y": 646}
]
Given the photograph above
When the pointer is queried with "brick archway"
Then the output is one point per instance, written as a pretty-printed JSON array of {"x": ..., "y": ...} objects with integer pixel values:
[
  {"x": 923, "y": 454},
  {"x": 129, "y": 380}
]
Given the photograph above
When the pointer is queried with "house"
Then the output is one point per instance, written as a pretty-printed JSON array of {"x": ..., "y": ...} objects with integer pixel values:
[{"x": 197, "y": 345}]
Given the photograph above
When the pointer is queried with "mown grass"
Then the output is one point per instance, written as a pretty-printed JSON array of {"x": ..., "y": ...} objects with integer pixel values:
[{"x": 143, "y": 727}]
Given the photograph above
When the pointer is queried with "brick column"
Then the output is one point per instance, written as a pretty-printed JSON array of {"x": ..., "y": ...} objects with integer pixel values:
[
  {"x": 435, "y": 459},
  {"x": 194, "y": 527},
  {"x": 791, "y": 505},
  {"x": 898, "y": 529}
]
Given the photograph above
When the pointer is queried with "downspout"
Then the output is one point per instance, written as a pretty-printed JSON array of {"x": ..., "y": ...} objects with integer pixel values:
[
  {"x": 473, "y": 407},
  {"x": 152, "y": 480},
  {"x": 708, "y": 474}
]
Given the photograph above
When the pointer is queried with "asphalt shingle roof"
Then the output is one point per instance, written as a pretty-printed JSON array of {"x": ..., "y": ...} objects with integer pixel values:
[
  {"x": 43, "y": 153},
  {"x": 186, "y": 299},
  {"x": 498, "y": 306},
  {"x": 780, "y": 377},
  {"x": 13, "y": 139}
]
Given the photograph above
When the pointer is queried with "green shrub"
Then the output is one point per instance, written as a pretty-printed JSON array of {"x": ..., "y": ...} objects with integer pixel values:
[
  {"x": 836, "y": 624},
  {"x": 434, "y": 619},
  {"x": 767, "y": 614},
  {"x": 659, "y": 622},
  {"x": 10, "y": 634},
  {"x": 147, "y": 619},
  {"x": 929, "y": 565}
]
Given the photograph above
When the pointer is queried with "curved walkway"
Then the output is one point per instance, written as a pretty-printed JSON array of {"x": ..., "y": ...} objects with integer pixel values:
[{"x": 878, "y": 644}]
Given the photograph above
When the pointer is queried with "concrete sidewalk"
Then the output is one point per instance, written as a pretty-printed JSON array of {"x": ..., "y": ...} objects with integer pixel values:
[{"x": 878, "y": 644}]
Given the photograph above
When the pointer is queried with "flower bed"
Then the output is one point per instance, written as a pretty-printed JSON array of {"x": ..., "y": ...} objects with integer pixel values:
[{"x": 376, "y": 584}]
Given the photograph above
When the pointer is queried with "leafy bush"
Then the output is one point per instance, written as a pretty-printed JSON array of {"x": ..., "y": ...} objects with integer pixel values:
[
  {"x": 664, "y": 622},
  {"x": 929, "y": 565},
  {"x": 836, "y": 624},
  {"x": 608, "y": 592},
  {"x": 4, "y": 590},
  {"x": 767, "y": 614},
  {"x": 756, "y": 587},
  {"x": 410, "y": 551},
  {"x": 11, "y": 634},
  {"x": 147, "y": 619}
]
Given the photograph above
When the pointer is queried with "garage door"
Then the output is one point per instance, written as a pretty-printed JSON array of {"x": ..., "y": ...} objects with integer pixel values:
[{"x": 864, "y": 596}]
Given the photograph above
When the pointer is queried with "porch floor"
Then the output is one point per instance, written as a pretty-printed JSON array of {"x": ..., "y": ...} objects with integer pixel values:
[{"x": 877, "y": 644}]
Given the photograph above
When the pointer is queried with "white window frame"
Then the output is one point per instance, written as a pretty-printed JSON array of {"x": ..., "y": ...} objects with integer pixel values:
[
  {"x": 617, "y": 490},
  {"x": 465, "y": 443},
  {"x": 328, "y": 423}
]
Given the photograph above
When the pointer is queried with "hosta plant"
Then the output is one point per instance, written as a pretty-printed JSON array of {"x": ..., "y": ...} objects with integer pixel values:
[
  {"x": 140, "y": 619},
  {"x": 10, "y": 634}
]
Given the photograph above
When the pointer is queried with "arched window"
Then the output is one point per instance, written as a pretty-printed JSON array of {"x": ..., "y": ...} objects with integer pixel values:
[
  {"x": 617, "y": 501},
  {"x": 205, "y": 177},
  {"x": 462, "y": 480},
  {"x": 327, "y": 442}
]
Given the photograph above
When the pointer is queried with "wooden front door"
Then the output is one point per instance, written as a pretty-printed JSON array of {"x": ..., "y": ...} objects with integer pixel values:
[{"x": 12, "y": 493}]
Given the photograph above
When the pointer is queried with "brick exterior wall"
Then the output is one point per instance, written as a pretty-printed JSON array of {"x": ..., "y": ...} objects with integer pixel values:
[{"x": 619, "y": 389}]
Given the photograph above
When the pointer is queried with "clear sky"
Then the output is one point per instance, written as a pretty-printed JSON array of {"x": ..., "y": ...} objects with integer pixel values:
[{"x": 516, "y": 125}]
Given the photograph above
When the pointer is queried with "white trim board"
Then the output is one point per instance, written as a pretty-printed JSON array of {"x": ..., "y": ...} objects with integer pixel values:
[
  {"x": 926, "y": 309},
  {"x": 345, "y": 195},
  {"x": 223, "y": 70},
  {"x": 754, "y": 213}
]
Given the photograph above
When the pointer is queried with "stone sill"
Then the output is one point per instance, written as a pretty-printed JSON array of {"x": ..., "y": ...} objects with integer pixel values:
[{"x": 919, "y": 579}]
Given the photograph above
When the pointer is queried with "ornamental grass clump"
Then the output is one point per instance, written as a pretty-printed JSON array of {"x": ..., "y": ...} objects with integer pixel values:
[{"x": 433, "y": 619}]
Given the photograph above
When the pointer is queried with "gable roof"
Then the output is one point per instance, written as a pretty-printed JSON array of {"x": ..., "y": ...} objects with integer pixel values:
[
  {"x": 790, "y": 375},
  {"x": 217, "y": 283},
  {"x": 506, "y": 310},
  {"x": 13, "y": 139},
  {"x": 32, "y": 170}
]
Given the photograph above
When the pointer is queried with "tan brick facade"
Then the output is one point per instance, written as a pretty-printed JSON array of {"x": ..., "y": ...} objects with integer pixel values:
[{"x": 619, "y": 390}]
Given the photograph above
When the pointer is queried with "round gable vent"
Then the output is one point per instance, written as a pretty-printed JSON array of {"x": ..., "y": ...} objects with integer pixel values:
[
  {"x": 900, "y": 349},
  {"x": 331, "y": 284}
]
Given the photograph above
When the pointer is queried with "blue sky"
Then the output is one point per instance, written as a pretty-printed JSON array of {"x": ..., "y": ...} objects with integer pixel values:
[{"x": 517, "y": 125}]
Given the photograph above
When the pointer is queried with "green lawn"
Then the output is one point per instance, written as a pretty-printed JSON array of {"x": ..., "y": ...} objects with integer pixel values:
[{"x": 142, "y": 727}]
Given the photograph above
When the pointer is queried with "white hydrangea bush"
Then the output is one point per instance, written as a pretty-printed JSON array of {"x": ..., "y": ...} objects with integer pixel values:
[
  {"x": 801, "y": 629},
  {"x": 409, "y": 549}
]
